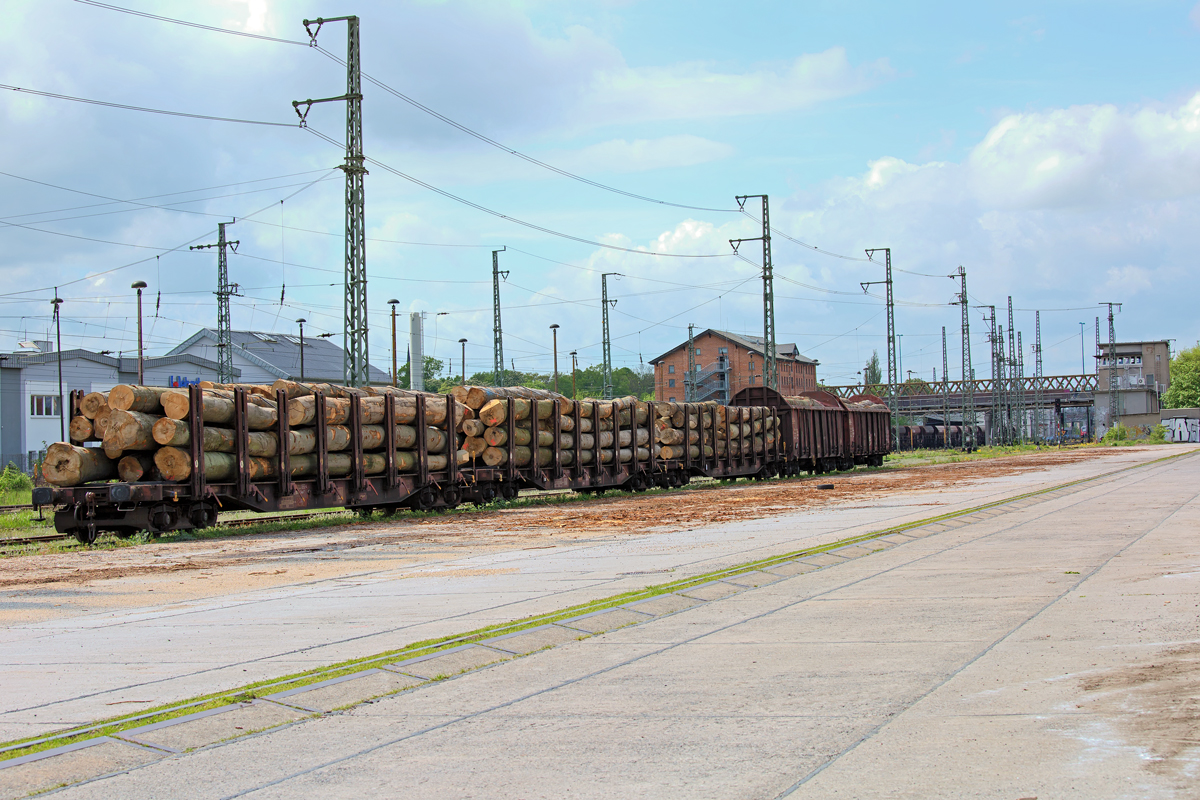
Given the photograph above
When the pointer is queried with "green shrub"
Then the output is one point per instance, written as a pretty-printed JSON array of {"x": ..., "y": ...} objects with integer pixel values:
[
  {"x": 1158, "y": 435},
  {"x": 13, "y": 480},
  {"x": 1117, "y": 433}
]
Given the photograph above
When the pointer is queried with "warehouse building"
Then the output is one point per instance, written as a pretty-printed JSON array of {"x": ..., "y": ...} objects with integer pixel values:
[{"x": 266, "y": 357}]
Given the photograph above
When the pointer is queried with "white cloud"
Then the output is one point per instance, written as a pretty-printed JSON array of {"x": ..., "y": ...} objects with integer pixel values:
[
  {"x": 694, "y": 91},
  {"x": 1087, "y": 155}
]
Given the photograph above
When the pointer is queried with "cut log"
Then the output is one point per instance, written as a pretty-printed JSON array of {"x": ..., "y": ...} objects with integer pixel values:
[
  {"x": 496, "y": 437},
  {"x": 100, "y": 422},
  {"x": 68, "y": 465},
  {"x": 175, "y": 464},
  {"x": 137, "y": 467},
  {"x": 80, "y": 429},
  {"x": 472, "y": 427},
  {"x": 112, "y": 445},
  {"x": 218, "y": 410},
  {"x": 474, "y": 446},
  {"x": 128, "y": 397},
  {"x": 292, "y": 389},
  {"x": 132, "y": 430},
  {"x": 92, "y": 403}
]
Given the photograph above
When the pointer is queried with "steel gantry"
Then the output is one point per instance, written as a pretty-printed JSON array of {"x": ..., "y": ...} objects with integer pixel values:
[
  {"x": 355, "y": 366},
  {"x": 225, "y": 290},
  {"x": 892, "y": 368},
  {"x": 497, "y": 327},
  {"x": 606, "y": 340},
  {"x": 770, "y": 354}
]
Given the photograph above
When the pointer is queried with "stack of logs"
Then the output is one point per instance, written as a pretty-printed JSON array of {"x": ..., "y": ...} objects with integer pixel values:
[
  {"x": 486, "y": 436},
  {"x": 739, "y": 431},
  {"x": 145, "y": 433}
]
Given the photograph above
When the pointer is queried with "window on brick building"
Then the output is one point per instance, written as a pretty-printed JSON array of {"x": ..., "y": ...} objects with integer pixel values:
[
  {"x": 671, "y": 368},
  {"x": 671, "y": 383}
]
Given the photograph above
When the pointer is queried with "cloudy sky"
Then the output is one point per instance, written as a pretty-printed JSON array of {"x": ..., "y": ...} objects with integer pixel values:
[{"x": 1050, "y": 149}]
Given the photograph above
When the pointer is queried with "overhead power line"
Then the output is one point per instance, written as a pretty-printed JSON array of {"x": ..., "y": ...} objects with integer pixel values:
[
  {"x": 418, "y": 105},
  {"x": 190, "y": 24},
  {"x": 143, "y": 108},
  {"x": 512, "y": 219}
]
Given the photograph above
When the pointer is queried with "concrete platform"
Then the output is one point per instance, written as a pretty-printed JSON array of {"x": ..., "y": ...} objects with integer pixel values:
[{"x": 1046, "y": 649}]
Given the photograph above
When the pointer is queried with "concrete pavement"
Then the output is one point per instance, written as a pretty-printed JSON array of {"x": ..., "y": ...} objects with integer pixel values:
[{"x": 1046, "y": 646}]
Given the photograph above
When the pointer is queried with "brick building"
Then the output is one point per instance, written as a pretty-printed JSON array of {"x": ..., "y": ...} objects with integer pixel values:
[{"x": 726, "y": 362}]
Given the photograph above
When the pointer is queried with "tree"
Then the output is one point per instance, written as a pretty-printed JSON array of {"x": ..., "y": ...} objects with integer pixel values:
[
  {"x": 872, "y": 373},
  {"x": 1185, "y": 380},
  {"x": 433, "y": 367}
]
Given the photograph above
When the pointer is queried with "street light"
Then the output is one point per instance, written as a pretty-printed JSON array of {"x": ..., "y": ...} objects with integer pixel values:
[
  {"x": 554, "y": 330},
  {"x": 62, "y": 418},
  {"x": 393, "y": 303},
  {"x": 1082, "y": 357},
  {"x": 139, "y": 285},
  {"x": 301, "y": 321},
  {"x": 574, "y": 369},
  {"x": 463, "y": 342}
]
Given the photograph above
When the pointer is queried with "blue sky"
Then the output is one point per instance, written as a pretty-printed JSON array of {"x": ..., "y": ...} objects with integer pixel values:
[{"x": 1053, "y": 150}]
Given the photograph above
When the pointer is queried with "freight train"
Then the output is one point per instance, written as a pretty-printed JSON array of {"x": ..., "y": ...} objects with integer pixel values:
[{"x": 365, "y": 454}]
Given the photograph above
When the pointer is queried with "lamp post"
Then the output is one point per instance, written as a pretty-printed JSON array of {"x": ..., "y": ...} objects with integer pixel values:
[
  {"x": 554, "y": 330},
  {"x": 62, "y": 417},
  {"x": 463, "y": 342},
  {"x": 301, "y": 322},
  {"x": 139, "y": 285},
  {"x": 393, "y": 303},
  {"x": 1083, "y": 359},
  {"x": 574, "y": 369}
]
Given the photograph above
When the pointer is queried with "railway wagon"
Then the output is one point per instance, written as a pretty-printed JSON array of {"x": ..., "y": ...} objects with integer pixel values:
[
  {"x": 926, "y": 437},
  {"x": 823, "y": 433},
  {"x": 611, "y": 459}
]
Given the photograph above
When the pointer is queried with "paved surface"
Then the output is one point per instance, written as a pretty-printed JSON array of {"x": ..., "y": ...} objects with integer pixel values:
[
  {"x": 1046, "y": 648},
  {"x": 77, "y": 667}
]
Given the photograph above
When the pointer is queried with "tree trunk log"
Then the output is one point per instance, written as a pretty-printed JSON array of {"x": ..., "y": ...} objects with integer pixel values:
[
  {"x": 100, "y": 422},
  {"x": 219, "y": 410},
  {"x": 132, "y": 430},
  {"x": 112, "y": 445},
  {"x": 474, "y": 446},
  {"x": 128, "y": 397},
  {"x": 472, "y": 427},
  {"x": 80, "y": 429},
  {"x": 68, "y": 465},
  {"x": 137, "y": 467},
  {"x": 92, "y": 403}
]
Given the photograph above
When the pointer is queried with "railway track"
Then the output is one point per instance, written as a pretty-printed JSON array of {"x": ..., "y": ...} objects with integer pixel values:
[{"x": 246, "y": 522}]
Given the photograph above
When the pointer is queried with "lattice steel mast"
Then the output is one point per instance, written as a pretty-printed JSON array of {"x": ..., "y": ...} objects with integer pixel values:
[
  {"x": 689, "y": 382},
  {"x": 1037, "y": 374},
  {"x": 355, "y": 366},
  {"x": 770, "y": 354},
  {"x": 1114, "y": 404},
  {"x": 967, "y": 371},
  {"x": 893, "y": 373},
  {"x": 606, "y": 339},
  {"x": 497, "y": 327},
  {"x": 225, "y": 290}
]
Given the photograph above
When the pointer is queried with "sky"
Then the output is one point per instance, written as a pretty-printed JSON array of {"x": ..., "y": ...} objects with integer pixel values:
[{"x": 1052, "y": 150}]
